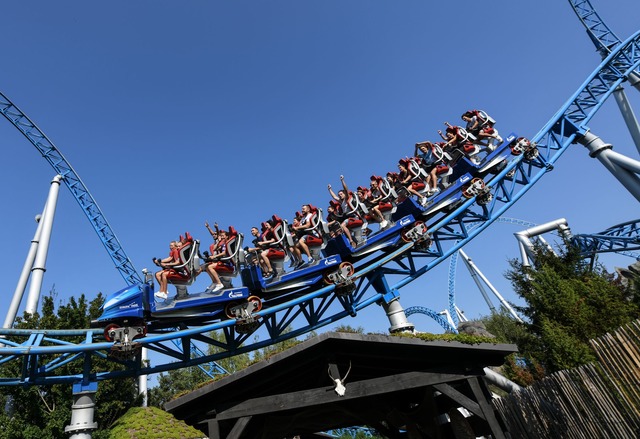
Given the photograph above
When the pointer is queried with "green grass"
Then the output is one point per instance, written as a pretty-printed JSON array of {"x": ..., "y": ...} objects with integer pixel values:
[{"x": 152, "y": 423}]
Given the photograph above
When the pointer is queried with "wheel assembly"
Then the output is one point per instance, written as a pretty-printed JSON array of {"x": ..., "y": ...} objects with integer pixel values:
[
  {"x": 229, "y": 308},
  {"x": 255, "y": 302},
  {"x": 110, "y": 332},
  {"x": 473, "y": 188}
]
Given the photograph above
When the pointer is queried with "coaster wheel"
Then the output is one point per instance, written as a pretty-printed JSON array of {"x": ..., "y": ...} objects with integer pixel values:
[
  {"x": 107, "y": 331},
  {"x": 532, "y": 153},
  {"x": 228, "y": 309},
  {"x": 423, "y": 230},
  {"x": 142, "y": 333},
  {"x": 404, "y": 237},
  {"x": 256, "y": 302},
  {"x": 520, "y": 145},
  {"x": 349, "y": 267},
  {"x": 404, "y": 234},
  {"x": 484, "y": 198},
  {"x": 477, "y": 184}
]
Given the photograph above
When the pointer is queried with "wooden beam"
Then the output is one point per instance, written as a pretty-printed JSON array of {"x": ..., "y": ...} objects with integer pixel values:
[
  {"x": 238, "y": 428},
  {"x": 461, "y": 399},
  {"x": 486, "y": 407},
  {"x": 326, "y": 395},
  {"x": 213, "y": 429}
]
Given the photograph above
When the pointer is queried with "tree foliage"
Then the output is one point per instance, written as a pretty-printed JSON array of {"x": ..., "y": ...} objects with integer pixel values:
[
  {"x": 567, "y": 304},
  {"x": 44, "y": 411},
  {"x": 180, "y": 381}
]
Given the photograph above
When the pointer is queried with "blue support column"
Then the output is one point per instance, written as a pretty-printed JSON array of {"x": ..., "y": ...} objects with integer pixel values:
[{"x": 391, "y": 304}]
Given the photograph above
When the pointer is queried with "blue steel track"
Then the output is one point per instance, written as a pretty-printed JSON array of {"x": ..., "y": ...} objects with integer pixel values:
[{"x": 378, "y": 279}]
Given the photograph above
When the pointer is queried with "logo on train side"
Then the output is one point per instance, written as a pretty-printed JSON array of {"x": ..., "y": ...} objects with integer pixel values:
[
  {"x": 129, "y": 306},
  {"x": 330, "y": 261},
  {"x": 405, "y": 220},
  {"x": 464, "y": 178},
  {"x": 235, "y": 294}
]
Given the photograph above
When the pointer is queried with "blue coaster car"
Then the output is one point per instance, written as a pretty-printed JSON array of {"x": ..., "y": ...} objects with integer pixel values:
[
  {"x": 382, "y": 239},
  {"x": 467, "y": 175},
  {"x": 329, "y": 268},
  {"x": 307, "y": 275},
  {"x": 135, "y": 306},
  {"x": 132, "y": 311}
]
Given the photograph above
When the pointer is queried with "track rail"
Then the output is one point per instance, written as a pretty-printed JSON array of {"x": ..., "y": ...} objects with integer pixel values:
[
  {"x": 601, "y": 35},
  {"x": 622, "y": 238}
]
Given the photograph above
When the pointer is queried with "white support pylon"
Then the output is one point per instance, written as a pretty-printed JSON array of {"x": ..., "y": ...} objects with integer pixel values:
[
  {"x": 502, "y": 300},
  {"x": 18, "y": 294},
  {"x": 39, "y": 266},
  {"x": 526, "y": 244}
]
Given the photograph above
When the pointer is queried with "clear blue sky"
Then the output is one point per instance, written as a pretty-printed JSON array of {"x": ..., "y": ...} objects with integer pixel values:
[{"x": 174, "y": 113}]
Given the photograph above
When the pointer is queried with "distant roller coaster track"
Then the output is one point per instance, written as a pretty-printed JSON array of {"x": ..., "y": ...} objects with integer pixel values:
[
  {"x": 622, "y": 238},
  {"x": 71, "y": 178},
  {"x": 602, "y": 37},
  {"x": 379, "y": 279}
]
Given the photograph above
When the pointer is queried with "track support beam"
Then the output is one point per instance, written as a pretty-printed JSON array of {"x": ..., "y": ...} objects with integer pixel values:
[{"x": 625, "y": 170}]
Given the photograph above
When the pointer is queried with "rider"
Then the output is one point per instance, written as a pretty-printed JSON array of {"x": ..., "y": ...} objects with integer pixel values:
[
  {"x": 267, "y": 239},
  {"x": 303, "y": 230},
  {"x": 474, "y": 123},
  {"x": 334, "y": 218},
  {"x": 344, "y": 198},
  {"x": 253, "y": 252},
  {"x": 167, "y": 265},
  {"x": 406, "y": 179},
  {"x": 452, "y": 136},
  {"x": 489, "y": 134},
  {"x": 213, "y": 263},
  {"x": 426, "y": 152},
  {"x": 371, "y": 203}
]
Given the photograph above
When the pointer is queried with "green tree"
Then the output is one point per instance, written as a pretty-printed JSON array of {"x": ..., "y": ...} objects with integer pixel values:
[
  {"x": 519, "y": 368},
  {"x": 271, "y": 350},
  {"x": 567, "y": 304},
  {"x": 180, "y": 381},
  {"x": 349, "y": 329},
  {"x": 174, "y": 383},
  {"x": 44, "y": 411}
]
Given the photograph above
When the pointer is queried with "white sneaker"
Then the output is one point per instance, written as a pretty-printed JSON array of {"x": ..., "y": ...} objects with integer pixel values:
[
  {"x": 218, "y": 287},
  {"x": 435, "y": 191},
  {"x": 384, "y": 224},
  {"x": 161, "y": 295},
  {"x": 423, "y": 201}
]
